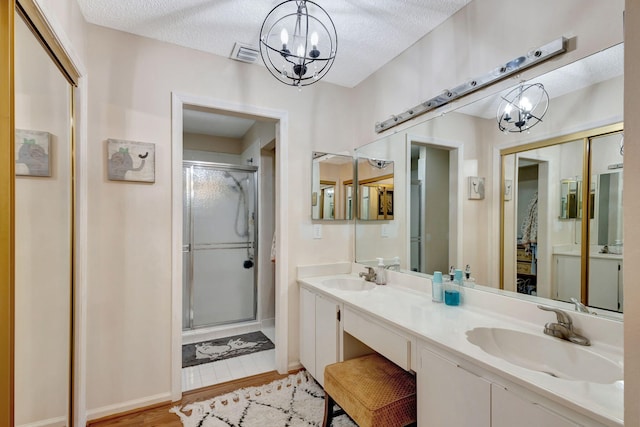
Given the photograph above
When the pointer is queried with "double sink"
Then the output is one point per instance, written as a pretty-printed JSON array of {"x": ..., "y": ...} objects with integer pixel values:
[
  {"x": 551, "y": 356},
  {"x": 540, "y": 353}
]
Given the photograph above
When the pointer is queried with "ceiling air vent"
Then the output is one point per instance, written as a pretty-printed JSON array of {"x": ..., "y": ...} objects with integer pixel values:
[{"x": 244, "y": 53}]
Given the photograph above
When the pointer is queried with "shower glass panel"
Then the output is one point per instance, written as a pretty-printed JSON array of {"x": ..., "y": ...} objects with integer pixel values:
[{"x": 220, "y": 244}]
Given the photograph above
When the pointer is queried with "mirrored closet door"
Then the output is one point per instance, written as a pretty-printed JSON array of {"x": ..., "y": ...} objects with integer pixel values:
[{"x": 43, "y": 249}]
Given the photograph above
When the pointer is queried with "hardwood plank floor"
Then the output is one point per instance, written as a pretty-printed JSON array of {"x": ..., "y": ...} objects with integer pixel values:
[{"x": 159, "y": 416}]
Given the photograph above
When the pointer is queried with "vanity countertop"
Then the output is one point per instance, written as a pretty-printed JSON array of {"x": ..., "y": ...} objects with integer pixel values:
[{"x": 445, "y": 327}]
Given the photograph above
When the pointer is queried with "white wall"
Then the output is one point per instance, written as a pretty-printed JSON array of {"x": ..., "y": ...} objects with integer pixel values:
[{"x": 129, "y": 301}]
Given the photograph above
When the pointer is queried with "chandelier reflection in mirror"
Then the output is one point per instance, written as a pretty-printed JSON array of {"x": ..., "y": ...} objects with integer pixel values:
[
  {"x": 379, "y": 164},
  {"x": 298, "y": 42},
  {"x": 522, "y": 108}
]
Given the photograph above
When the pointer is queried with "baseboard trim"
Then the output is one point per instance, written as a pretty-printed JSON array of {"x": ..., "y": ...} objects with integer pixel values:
[
  {"x": 127, "y": 408},
  {"x": 51, "y": 422},
  {"x": 295, "y": 366}
]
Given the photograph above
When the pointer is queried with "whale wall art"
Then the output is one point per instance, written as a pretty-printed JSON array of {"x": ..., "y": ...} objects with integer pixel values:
[
  {"x": 33, "y": 153},
  {"x": 131, "y": 161}
]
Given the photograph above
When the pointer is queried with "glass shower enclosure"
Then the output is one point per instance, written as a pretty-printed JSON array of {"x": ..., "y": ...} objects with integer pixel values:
[{"x": 219, "y": 244}]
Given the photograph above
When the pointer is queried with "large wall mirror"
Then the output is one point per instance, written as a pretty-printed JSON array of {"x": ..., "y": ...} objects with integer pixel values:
[
  {"x": 332, "y": 192},
  {"x": 44, "y": 205},
  {"x": 437, "y": 223}
]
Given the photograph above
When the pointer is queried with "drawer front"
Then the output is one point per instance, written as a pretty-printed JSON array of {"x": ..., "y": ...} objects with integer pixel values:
[
  {"x": 522, "y": 255},
  {"x": 524, "y": 268},
  {"x": 389, "y": 343}
]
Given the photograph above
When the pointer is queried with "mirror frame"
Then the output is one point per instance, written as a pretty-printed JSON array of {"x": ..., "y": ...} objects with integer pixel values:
[
  {"x": 7, "y": 13},
  {"x": 585, "y": 136}
]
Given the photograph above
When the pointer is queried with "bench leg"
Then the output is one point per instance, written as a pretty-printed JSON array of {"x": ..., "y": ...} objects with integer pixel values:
[{"x": 328, "y": 410}]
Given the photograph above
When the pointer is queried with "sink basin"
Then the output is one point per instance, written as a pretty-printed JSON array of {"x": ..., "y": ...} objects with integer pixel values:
[
  {"x": 548, "y": 355},
  {"x": 348, "y": 284}
]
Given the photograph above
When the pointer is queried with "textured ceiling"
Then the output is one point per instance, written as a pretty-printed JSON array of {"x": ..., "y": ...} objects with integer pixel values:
[{"x": 370, "y": 32}]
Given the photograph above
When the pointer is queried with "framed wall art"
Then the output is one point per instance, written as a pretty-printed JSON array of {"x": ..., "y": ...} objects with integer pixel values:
[
  {"x": 131, "y": 160},
  {"x": 33, "y": 153}
]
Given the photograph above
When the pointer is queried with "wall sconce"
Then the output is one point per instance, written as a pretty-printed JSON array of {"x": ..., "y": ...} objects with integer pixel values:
[
  {"x": 508, "y": 189},
  {"x": 298, "y": 42},
  {"x": 522, "y": 108},
  {"x": 476, "y": 188}
]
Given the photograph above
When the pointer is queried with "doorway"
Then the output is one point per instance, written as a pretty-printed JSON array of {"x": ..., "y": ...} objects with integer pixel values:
[
  {"x": 245, "y": 169},
  {"x": 432, "y": 197}
]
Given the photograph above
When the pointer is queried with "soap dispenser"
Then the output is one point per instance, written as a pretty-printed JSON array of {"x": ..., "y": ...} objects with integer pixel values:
[
  {"x": 452, "y": 293},
  {"x": 468, "y": 280},
  {"x": 381, "y": 273}
]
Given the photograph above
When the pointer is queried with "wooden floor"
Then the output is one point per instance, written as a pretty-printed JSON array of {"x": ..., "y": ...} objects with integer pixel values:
[{"x": 159, "y": 415}]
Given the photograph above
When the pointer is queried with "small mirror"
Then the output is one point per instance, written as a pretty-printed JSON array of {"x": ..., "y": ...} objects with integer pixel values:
[
  {"x": 331, "y": 186},
  {"x": 570, "y": 190},
  {"x": 375, "y": 189}
]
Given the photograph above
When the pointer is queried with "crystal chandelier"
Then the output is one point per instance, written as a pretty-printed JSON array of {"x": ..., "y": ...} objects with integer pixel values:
[{"x": 298, "y": 42}]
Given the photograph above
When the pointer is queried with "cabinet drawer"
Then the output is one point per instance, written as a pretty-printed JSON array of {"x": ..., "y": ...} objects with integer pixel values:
[
  {"x": 389, "y": 343},
  {"x": 524, "y": 267},
  {"x": 522, "y": 255}
]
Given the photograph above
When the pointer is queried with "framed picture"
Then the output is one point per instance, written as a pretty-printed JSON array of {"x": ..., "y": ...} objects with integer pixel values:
[
  {"x": 33, "y": 153},
  {"x": 508, "y": 189},
  {"x": 131, "y": 161}
]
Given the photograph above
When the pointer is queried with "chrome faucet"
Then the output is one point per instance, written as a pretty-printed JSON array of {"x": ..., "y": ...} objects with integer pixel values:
[
  {"x": 580, "y": 307},
  {"x": 369, "y": 275},
  {"x": 563, "y": 328},
  {"x": 394, "y": 266}
]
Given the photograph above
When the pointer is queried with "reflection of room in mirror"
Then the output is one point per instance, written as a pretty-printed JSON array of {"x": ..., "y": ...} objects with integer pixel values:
[
  {"x": 583, "y": 95},
  {"x": 476, "y": 188},
  {"x": 376, "y": 187},
  {"x": 331, "y": 182}
]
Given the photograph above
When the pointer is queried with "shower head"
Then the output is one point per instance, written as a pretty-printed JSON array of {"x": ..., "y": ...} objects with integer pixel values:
[{"x": 238, "y": 184}]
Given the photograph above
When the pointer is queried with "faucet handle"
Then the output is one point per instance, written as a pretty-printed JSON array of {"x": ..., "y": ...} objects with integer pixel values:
[{"x": 563, "y": 318}]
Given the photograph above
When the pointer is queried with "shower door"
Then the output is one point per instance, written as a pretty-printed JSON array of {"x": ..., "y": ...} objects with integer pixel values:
[{"x": 219, "y": 236}]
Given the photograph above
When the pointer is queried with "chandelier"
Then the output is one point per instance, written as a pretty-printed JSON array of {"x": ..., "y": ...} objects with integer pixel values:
[
  {"x": 522, "y": 108},
  {"x": 298, "y": 42}
]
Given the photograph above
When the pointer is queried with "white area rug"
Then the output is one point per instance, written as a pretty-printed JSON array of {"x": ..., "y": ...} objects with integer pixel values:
[{"x": 295, "y": 401}]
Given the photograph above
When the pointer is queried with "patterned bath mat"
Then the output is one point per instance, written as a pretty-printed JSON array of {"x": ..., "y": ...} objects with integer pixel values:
[
  {"x": 224, "y": 348},
  {"x": 295, "y": 401}
]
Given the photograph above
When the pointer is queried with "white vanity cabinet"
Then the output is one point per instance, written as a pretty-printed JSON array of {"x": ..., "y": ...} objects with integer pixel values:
[
  {"x": 449, "y": 395},
  {"x": 605, "y": 283},
  {"x": 319, "y": 332},
  {"x": 567, "y": 277},
  {"x": 454, "y": 393},
  {"x": 509, "y": 409}
]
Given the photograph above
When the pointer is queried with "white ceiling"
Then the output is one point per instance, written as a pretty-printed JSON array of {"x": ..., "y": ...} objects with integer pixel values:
[{"x": 370, "y": 32}]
